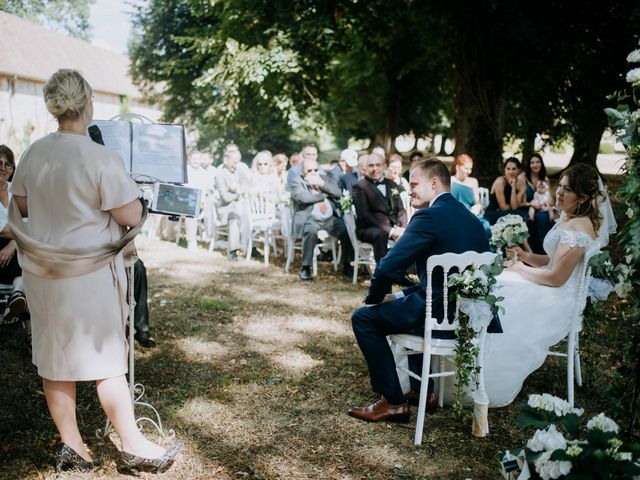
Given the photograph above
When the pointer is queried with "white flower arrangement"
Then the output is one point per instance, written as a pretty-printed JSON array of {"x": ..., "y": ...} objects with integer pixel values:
[
  {"x": 603, "y": 423},
  {"x": 509, "y": 231},
  {"x": 548, "y": 468},
  {"x": 634, "y": 57},
  {"x": 633, "y": 76},
  {"x": 555, "y": 454},
  {"x": 346, "y": 201},
  {"x": 549, "y": 439},
  {"x": 476, "y": 305},
  {"x": 286, "y": 198},
  {"x": 553, "y": 404},
  {"x": 606, "y": 277}
]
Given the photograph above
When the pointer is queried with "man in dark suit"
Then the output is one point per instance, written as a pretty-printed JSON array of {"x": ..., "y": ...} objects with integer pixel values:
[
  {"x": 445, "y": 226},
  {"x": 380, "y": 215},
  {"x": 311, "y": 195}
]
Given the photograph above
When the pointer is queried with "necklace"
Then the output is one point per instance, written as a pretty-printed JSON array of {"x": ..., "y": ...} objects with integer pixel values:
[{"x": 71, "y": 132}]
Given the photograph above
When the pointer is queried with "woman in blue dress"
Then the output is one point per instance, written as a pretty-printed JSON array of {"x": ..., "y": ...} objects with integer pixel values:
[{"x": 464, "y": 187}]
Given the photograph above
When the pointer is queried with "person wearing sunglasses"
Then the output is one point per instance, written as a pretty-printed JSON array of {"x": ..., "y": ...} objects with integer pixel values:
[
  {"x": 263, "y": 178},
  {"x": 311, "y": 195}
]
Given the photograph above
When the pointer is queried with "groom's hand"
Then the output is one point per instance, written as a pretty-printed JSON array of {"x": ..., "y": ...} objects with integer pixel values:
[{"x": 388, "y": 298}]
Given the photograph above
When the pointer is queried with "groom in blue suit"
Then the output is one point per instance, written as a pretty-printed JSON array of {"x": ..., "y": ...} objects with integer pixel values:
[{"x": 441, "y": 225}]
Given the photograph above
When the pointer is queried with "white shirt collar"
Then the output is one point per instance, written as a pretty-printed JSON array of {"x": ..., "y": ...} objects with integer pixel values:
[{"x": 437, "y": 197}]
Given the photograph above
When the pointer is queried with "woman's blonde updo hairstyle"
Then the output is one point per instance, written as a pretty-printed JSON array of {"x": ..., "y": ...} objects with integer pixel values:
[{"x": 66, "y": 94}]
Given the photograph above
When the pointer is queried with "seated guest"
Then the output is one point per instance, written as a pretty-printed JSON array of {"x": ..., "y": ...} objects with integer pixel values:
[
  {"x": 280, "y": 169},
  {"x": 394, "y": 172},
  {"x": 464, "y": 187},
  {"x": 263, "y": 178},
  {"x": 445, "y": 226},
  {"x": 414, "y": 158},
  {"x": 380, "y": 215},
  {"x": 543, "y": 218},
  {"x": 507, "y": 194},
  {"x": 348, "y": 180},
  {"x": 309, "y": 152},
  {"x": 198, "y": 176},
  {"x": 348, "y": 161},
  {"x": 229, "y": 208},
  {"x": 10, "y": 272},
  {"x": 310, "y": 195}
]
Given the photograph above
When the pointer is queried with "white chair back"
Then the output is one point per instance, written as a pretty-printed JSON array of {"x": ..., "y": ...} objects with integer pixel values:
[
  {"x": 448, "y": 261},
  {"x": 260, "y": 206},
  {"x": 350, "y": 223},
  {"x": 484, "y": 196}
]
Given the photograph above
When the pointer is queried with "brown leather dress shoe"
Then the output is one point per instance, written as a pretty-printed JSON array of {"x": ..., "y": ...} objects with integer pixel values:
[
  {"x": 382, "y": 410},
  {"x": 413, "y": 397}
]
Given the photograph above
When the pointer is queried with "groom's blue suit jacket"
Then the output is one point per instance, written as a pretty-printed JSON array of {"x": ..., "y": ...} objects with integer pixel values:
[{"x": 446, "y": 226}]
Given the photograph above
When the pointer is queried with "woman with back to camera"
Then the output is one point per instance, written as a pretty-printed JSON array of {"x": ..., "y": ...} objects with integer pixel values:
[
  {"x": 535, "y": 172},
  {"x": 507, "y": 193},
  {"x": 77, "y": 196},
  {"x": 540, "y": 290}
]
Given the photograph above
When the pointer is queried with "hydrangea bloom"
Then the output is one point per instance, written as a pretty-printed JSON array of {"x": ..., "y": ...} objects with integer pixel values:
[
  {"x": 551, "y": 468},
  {"x": 634, "y": 57},
  {"x": 550, "y": 403},
  {"x": 633, "y": 76},
  {"x": 548, "y": 440},
  {"x": 602, "y": 423}
]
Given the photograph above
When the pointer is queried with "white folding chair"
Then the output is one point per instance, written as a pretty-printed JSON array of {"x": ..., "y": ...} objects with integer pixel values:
[
  {"x": 484, "y": 197},
  {"x": 262, "y": 222},
  {"x": 429, "y": 346},
  {"x": 574, "y": 370},
  {"x": 362, "y": 251}
]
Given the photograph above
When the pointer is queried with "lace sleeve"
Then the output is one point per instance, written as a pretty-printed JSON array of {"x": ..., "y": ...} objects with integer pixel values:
[{"x": 575, "y": 239}]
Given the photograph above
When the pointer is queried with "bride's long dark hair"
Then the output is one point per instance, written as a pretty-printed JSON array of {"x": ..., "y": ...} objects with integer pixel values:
[{"x": 583, "y": 180}]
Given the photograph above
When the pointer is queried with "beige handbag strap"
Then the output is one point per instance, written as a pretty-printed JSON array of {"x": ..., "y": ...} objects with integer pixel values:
[{"x": 51, "y": 262}]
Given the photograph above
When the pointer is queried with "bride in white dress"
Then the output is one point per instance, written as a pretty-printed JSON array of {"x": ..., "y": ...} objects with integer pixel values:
[{"x": 539, "y": 291}]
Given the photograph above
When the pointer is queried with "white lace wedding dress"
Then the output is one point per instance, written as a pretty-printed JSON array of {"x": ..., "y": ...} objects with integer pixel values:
[{"x": 535, "y": 318}]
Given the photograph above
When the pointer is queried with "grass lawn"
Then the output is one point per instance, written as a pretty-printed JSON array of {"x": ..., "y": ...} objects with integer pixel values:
[{"x": 255, "y": 370}]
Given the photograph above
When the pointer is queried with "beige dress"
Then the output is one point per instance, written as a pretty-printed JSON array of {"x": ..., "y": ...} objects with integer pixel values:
[{"x": 78, "y": 323}]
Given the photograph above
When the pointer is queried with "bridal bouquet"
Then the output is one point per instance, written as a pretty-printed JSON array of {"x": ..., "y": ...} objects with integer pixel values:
[
  {"x": 606, "y": 277},
  {"x": 476, "y": 305},
  {"x": 346, "y": 201},
  {"x": 560, "y": 449},
  {"x": 509, "y": 231}
]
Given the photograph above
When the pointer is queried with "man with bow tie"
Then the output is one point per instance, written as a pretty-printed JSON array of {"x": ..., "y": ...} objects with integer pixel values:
[
  {"x": 380, "y": 214},
  {"x": 311, "y": 193}
]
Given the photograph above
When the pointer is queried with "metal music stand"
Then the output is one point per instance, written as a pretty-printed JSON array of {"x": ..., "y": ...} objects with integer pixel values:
[{"x": 136, "y": 390}]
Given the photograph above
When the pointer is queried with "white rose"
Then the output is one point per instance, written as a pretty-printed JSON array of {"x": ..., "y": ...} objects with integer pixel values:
[
  {"x": 551, "y": 468},
  {"x": 633, "y": 76},
  {"x": 549, "y": 440},
  {"x": 630, "y": 212},
  {"x": 602, "y": 423},
  {"x": 634, "y": 57}
]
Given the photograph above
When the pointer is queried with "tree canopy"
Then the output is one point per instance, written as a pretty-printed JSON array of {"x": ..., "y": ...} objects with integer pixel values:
[
  {"x": 260, "y": 71},
  {"x": 70, "y": 16}
]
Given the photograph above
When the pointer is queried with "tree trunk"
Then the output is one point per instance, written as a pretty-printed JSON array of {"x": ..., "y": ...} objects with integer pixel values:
[
  {"x": 586, "y": 139},
  {"x": 528, "y": 145},
  {"x": 480, "y": 89}
]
